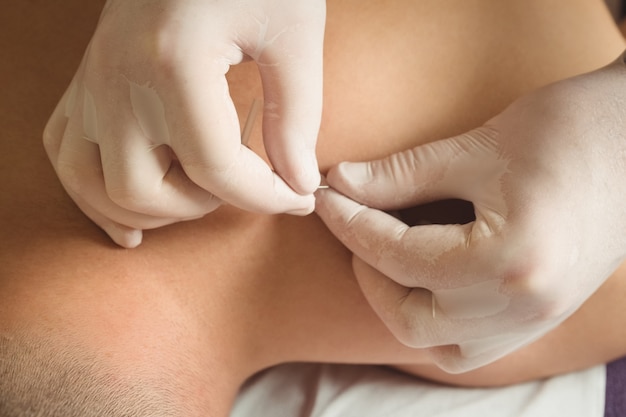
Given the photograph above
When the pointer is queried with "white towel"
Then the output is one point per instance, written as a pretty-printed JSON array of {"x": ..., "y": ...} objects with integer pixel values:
[{"x": 312, "y": 390}]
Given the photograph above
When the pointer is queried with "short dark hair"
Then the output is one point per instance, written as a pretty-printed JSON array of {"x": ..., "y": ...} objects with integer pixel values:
[{"x": 40, "y": 377}]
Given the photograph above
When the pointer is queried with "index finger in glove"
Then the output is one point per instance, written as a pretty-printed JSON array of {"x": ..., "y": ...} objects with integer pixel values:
[
  {"x": 207, "y": 142},
  {"x": 290, "y": 63}
]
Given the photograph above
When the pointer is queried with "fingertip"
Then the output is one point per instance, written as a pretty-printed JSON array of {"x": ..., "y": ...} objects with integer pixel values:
[
  {"x": 450, "y": 359},
  {"x": 307, "y": 181},
  {"x": 352, "y": 171},
  {"x": 322, "y": 200},
  {"x": 302, "y": 212},
  {"x": 125, "y": 237},
  {"x": 303, "y": 176},
  {"x": 350, "y": 177},
  {"x": 308, "y": 208},
  {"x": 334, "y": 208},
  {"x": 282, "y": 198}
]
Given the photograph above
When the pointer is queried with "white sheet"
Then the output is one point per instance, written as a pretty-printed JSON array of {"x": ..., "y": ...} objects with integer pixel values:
[{"x": 312, "y": 390}]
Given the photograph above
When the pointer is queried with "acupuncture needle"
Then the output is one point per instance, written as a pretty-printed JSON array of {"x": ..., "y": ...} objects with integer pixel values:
[
  {"x": 433, "y": 304},
  {"x": 247, "y": 128}
]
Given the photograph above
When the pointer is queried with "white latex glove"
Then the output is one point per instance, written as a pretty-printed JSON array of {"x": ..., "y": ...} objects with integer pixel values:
[
  {"x": 547, "y": 178},
  {"x": 147, "y": 134}
]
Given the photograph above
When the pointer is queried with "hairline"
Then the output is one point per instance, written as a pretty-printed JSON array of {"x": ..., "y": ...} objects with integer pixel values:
[{"x": 45, "y": 375}]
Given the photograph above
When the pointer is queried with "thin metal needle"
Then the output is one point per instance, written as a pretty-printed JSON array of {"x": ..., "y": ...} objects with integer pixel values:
[
  {"x": 247, "y": 128},
  {"x": 433, "y": 303}
]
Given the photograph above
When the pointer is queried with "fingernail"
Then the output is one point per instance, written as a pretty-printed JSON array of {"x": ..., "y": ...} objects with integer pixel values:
[
  {"x": 308, "y": 177},
  {"x": 127, "y": 238},
  {"x": 354, "y": 172},
  {"x": 301, "y": 212},
  {"x": 304, "y": 211}
]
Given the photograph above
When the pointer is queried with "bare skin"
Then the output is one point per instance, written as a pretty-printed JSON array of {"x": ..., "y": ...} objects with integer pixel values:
[{"x": 239, "y": 292}]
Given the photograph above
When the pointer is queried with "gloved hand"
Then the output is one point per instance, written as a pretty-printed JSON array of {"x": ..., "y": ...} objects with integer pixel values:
[
  {"x": 547, "y": 179},
  {"x": 147, "y": 134}
]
